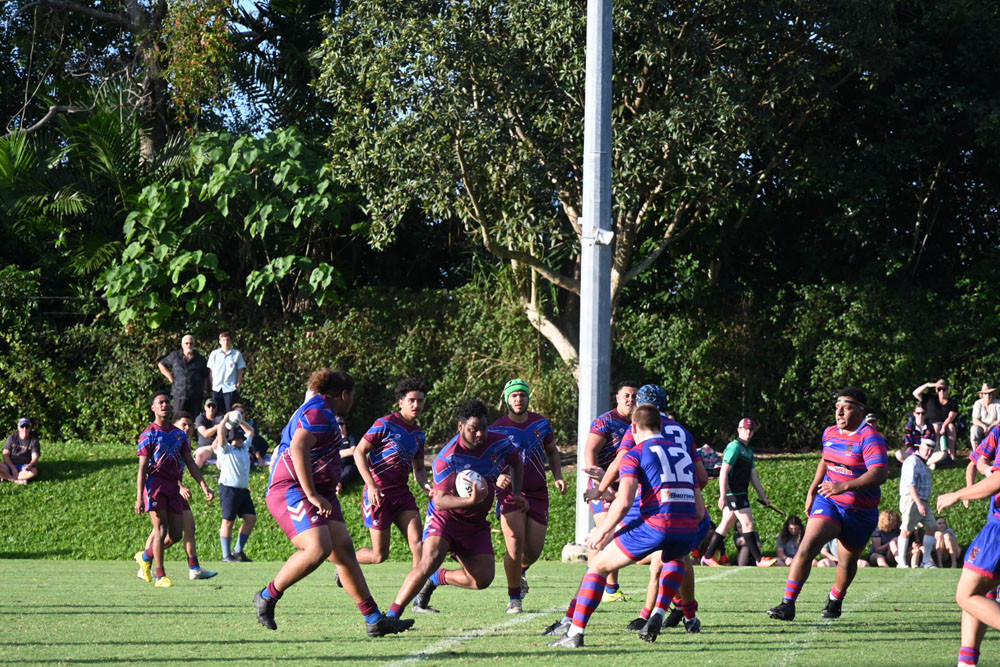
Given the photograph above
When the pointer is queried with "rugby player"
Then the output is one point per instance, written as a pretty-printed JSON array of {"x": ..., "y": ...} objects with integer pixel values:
[
  {"x": 669, "y": 512},
  {"x": 164, "y": 450},
  {"x": 842, "y": 502},
  {"x": 459, "y": 525},
  {"x": 302, "y": 497},
  {"x": 524, "y": 532},
  {"x": 391, "y": 448}
]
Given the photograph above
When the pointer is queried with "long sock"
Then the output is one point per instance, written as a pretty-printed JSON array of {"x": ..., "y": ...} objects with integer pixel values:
[
  {"x": 904, "y": 549},
  {"x": 753, "y": 543},
  {"x": 644, "y": 614},
  {"x": 928, "y": 549},
  {"x": 690, "y": 609},
  {"x": 272, "y": 592},
  {"x": 792, "y": 590},
  {"x": 968, "y": 655},
  {"x": 369, "y": 610},
  {"x": 836, "y": 593},
  {"x": 587, "y": 599},
  {"x": 160, "y": 573},
  {"x": 671, "y": 576},
  {"x": 395, "y": 611},
  {"x": 440, "y": 578},
  {"x": 241, "y": 542},
  {"x": 147, "y": 555},
  {"x": 193, "y": 563},
  {"x": 227, "y": 546},
  {"x": 713, "y": 544},
  {"x": 514, "y": 593},
  {"x": 611, "y": 589},
  {"x": 569, "y": 611}
]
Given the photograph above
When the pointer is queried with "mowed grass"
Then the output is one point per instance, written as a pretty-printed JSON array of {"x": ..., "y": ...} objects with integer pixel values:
[{"x": 98, "y": 612}]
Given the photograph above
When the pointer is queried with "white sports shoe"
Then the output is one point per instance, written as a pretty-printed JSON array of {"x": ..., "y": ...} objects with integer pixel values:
[{"x": 514, "y": 606}]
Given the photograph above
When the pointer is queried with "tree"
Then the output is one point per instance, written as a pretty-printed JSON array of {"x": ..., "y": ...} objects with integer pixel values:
[{"x": 474, "y": 110}]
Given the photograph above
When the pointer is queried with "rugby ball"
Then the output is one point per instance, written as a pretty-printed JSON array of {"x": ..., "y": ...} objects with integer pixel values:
[
  {"x": 233, "y": 419},
  {"x": 466, "y": 480}
]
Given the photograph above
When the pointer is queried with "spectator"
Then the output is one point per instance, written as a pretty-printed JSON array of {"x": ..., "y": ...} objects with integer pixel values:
[
  {"x": 743, "y": 557},
  {"x": 234, "y": 457},
  {"x": 919, "y": 550},
  {"x": 187, "y": 372},
  {"x": 885, "y": 540},
  {"x": 207, "y": 426},
  {"x": 20, "y": 454},
  {"x": 942, "y": 411},
  {"x": 872, "y": 420},
  {"x": 789, "y": 539},
  {"x": 258, "y": 445},
  {"x": 226, "y": 368},
  {"x": 916, "y": 429},
  {"x": 828, "y": 554},
  {"x": 914, "y": 504},
  {"x": 946, "y": 543},
  {"x": 985, "y": 415}
]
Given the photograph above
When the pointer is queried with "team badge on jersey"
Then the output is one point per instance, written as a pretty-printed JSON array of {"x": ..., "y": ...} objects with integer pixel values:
[{"x": 973, "y": 552}]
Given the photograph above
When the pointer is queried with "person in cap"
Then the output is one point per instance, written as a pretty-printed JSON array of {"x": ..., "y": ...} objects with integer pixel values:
[
  {"x": 21, "y": 452},
  {"x": 842, "y": 501},
  {"x": 942, "y": 411},
  {"x": 524, "y": 532},
  {"x": 915, "y": 504},
  {"x": 206, "y": 426},
  {"x": 985, "y": 415},
  {"x": 738, "y": 472}
]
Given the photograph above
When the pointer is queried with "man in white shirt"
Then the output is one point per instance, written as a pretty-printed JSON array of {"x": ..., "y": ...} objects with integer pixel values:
[
  {"x": 226, "y": 368},
  {"x": 915, "y": 505},
  {"x": 985, "y": 414}
]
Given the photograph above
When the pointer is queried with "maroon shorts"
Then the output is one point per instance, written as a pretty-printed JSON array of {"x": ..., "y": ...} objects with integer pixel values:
[
  {"x": 394, "y": 501},
  {"x": 466, "y": 539},
  {"x": 294, "y": 514},
  {"x": 538, "y": 505},
  {"x": 160, "y": 495}
]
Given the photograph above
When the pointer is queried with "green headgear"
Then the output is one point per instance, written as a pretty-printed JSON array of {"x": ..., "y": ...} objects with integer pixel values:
[{"x": 517, "y": 384}]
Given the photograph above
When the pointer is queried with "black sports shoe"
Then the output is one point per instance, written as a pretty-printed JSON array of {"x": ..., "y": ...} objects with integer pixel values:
[
  {"x": 566, "y": 641},
  {"x": 388, "y": 625},
  {"x": 692, "y": 626},
  {"x": 422, "y": 603},
  {"x": 832, "y": 608},
  {"x": 556, "y": 629},
  {"x": 243, "y": 558},
  {"x": 637, "y": 624},
  {"x": 265, "y": 610},
  {"x": 783, "y": 612},
  {"x": 673, "y": 619},
  {"x": 336, "y": 578},
  {"x": 651, "y": 630},
  {"x": 233, "y": 558}
]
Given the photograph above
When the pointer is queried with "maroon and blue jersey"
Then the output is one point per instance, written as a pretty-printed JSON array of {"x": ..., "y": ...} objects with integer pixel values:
[
  {"x": 672, "y": 431},
  {"x": 498, "y": 451},
  {"x": 849, "y": 455},
  {"x": 987, "y": 449},
  {"x": 394, "y": 446},
  {"x": 666, "y": 494},
  {"x": 530, "y": 438},
  {"x": 164, "y": 449},
  {"x": 612, "y": 427},
  {"x": 317, "y": 417}
]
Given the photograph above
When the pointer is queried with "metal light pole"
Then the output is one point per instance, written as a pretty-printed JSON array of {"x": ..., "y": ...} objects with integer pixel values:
[{"x": 595, "y": 260}]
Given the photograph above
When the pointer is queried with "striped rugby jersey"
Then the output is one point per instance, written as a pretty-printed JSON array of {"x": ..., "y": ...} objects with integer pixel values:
[{"x": 849, "y": 455}]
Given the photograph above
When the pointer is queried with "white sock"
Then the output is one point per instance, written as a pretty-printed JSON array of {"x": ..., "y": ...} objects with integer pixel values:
[
  {"x": 928, "y": 549},
  {"x": 904, "y": 549},
  {"x": 566, "y": 619},
  {"x": 659, "y": 612},
  {"x": 574, "y": 631}
]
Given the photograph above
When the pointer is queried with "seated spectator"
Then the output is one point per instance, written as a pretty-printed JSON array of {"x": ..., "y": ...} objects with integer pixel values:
[
  {"x": 985, "y": 415},
  {"x": 207, "y": 426},
  {"x": 916, "y": 429},
  {"x": 946, "y": 544},
  {"x": 828, "y": 554},
  {"x": 258, "y": 445},
  {"x": 918, "y": 547},
  {"x": 942, "y": 411},
  {"x": 884, "y": 540},
  {"x": 743, "y": 557},
  {"x": 787, "y": 544},
  {"x": 21, "y": 452}
]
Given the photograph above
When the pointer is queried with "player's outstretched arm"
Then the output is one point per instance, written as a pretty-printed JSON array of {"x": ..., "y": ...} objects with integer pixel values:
[{"x": 983, "y": 489}]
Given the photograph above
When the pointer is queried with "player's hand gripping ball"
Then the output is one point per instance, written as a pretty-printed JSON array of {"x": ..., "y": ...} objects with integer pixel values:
[
  {"x": 466, "y": 480},
  {"x": 234, "y": 419}
]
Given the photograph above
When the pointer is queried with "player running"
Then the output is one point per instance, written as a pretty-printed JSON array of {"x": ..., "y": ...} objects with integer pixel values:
[
  {"x": 524, "y": 532},
  {"x": 599, "y": 451},
  {"x": 391, "y": 448},
  {"x": 164, "y": 451},
  {"x": 302, "y": 497},
  {"x": 738, "y": 472},
  {"x": 456, "y": 524},
  {"x": 669, "y": 512},
  {"x": 842, "y": 502}
]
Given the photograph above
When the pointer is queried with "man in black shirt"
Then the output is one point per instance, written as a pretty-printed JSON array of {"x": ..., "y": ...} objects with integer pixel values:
[
  {"x": 21, "y": 452},
  {"x": 942, "y": 411},
  {"x": 187, "y": 372}
]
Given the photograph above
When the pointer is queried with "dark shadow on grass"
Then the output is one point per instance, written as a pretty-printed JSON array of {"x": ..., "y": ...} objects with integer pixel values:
[{"x": 60, "y": 471}]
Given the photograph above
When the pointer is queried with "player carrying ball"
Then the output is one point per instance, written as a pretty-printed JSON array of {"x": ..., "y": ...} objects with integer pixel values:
[{"x": 670, "y": 511}]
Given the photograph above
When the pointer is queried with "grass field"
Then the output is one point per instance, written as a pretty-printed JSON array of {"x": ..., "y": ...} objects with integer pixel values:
[{"x": 98, "y": 612}]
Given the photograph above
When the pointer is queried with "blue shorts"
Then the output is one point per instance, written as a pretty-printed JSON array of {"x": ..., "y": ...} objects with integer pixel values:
[
  {"x": 638, "y": 539},
  {"x": 983, "y": 555},
  {"x": 235, "y": 502},
  {"x": 856, "y": 525},
  {"x": 597, "y": 507}
]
